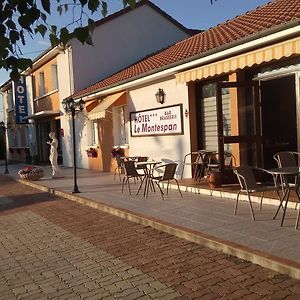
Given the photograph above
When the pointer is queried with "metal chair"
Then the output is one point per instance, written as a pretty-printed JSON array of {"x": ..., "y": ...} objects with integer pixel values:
[
  {"x": 288, "y": 159},
  {"x": 249, "y": 185},
  {"x": 168, "y": 175},
  {"x": 131, "y": 172},
  {"x": 141, "y": 159},
  {"x": 119, "y": 168},
  {"x": 195, "y": 160},
  {"x": 213, "y": 164}
]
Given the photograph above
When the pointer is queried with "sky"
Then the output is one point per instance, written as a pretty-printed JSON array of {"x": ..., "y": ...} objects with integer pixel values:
[{"x": 193, "y": 14}]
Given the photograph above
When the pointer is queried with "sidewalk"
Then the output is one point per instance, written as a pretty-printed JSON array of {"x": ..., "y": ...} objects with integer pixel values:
[{"x": 201, "y": 218}]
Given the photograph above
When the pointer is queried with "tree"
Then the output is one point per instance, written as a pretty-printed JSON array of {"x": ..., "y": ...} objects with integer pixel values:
[{"x": 23, "y": 18}]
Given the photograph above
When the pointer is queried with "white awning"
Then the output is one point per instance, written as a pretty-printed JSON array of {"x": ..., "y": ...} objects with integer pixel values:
[
  {"x": 99, "y": 111},
  {"x": 43, "y": 114}
]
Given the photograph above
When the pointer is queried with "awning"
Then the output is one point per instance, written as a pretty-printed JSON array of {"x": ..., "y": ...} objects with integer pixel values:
[
  {"x": 43, "y": 114},
  {"x": 99, "y": 111},
  {"x": 266, "y": 54}
]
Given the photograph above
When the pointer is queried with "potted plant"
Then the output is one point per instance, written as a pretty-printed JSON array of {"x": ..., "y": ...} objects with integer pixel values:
[
  {"x": 117, "y": 151},
  {"x": 31, "y": 173},
  {"x": 91, "y": 152}
]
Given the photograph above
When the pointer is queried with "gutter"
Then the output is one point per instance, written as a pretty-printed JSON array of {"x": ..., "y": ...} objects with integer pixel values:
[{"x": 260, "y": 39}]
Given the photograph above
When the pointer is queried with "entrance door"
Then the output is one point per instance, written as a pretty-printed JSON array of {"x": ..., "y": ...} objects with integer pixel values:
[
  {"x": 278, "y": 105},
  {"x": 241, "y": 133}
]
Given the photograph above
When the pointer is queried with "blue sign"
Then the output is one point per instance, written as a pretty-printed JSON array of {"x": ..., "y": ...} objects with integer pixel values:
[{"x": 21, "y": 108}]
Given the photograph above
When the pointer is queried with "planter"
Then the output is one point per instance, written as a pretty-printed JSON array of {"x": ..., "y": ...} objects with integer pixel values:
[
  {"x": 92, "y": 153},
  {"x": 32, "y": 175},
  {"x": 214, "y": 179}
]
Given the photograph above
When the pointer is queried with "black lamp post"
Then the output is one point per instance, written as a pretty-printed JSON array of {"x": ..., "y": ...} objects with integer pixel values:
[
  {"x": 70, "y": 106},
  {"x": 3, "y": 129}
]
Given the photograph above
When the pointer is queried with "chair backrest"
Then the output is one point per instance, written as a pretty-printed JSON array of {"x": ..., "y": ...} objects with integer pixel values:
[
  {"x": 130, "y": 169},
  {"x": 192, "y": 156},
  {"x": 285, "y": 159},
  {"x": 169, "y": 172},
  {"x": 246, "y": 177},
  {"x": 229, "y": 159},
  {"x": 120, "y": 161},
  {"x": 142, "y": 158}
]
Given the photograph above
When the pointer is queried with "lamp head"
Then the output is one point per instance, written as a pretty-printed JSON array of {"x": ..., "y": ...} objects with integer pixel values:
[{"x": 160, "y": 96}]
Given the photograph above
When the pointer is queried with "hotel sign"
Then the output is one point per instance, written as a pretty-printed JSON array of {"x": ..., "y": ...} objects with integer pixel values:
[
  {"x": 21, "y": 108},
  {"x": 159, "y": 121}
]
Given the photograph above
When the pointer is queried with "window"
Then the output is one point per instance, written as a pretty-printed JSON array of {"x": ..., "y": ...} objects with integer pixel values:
[
  {"x": 41, "y": 84},
  {"x": 10, "y": 102},
  {"x": 54, "y": 77},
  {"x": 120, "y": 124},
  {"x": 95, "y": 133}
]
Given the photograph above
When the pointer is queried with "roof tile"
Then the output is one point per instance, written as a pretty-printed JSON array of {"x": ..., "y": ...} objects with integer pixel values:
[{"x": 273, "y": 13}]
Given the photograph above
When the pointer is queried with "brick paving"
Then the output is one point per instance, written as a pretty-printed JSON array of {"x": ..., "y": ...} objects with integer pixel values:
[{"x": 53, "y": 248}]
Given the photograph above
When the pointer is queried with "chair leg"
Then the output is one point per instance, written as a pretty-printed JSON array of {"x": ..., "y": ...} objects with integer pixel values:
[
  {"x": 261, "y": 200},
  {"x": 236, "y": 202},
  {"x": 115, "y": 174},
  {"x": 123, "y": 184},
  {"x": 297, "y": 222},
  {"x": 182, "y": 171},
  {"x": 250, "y": 202},
  {"x": 161, "y": 192},
  {"x": 129, "y": 186},
  {"x": 120, "y": 174},
  {"x": 178, "y": 187},
  {"x": 168, "y": 187}
]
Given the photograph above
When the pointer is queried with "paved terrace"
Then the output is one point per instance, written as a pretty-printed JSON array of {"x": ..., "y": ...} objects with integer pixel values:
[{"x": 201, "y": 215}]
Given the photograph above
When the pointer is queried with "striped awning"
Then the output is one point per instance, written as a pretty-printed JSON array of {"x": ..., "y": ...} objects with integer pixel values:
[
  {"x": 99, "y": 111},
  {"x": 256, "y": 57}
]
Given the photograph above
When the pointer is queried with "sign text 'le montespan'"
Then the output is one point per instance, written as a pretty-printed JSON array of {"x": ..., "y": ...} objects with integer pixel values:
[
  {"x": 160, "y": 121},
  {"x": 21, "y": 108}
]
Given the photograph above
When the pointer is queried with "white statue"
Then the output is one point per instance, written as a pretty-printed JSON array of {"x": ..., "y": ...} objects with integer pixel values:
[{"x": 53, "y": 155}]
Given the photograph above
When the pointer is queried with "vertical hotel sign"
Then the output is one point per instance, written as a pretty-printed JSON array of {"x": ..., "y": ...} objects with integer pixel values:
[{"x": 21, "y": 108}]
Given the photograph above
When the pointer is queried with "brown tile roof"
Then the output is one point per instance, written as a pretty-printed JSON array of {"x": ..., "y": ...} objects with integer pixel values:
[{"x": 270, "y": 15}]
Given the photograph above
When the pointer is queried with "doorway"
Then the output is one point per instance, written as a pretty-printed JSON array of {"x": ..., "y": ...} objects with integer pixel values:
[{"x": 278, "y": 116}]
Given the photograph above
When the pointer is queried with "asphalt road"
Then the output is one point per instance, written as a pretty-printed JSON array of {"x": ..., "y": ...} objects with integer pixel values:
[{"x": 53, "y": 248}]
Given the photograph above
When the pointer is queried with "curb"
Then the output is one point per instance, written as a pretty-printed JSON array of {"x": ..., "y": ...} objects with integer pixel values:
[{"x": 261, "y": 258}]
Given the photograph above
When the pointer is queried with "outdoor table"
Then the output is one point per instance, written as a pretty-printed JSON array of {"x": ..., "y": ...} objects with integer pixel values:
[
  {"x": 285, "y": 173},
  {"x": 148, "y": 169}
]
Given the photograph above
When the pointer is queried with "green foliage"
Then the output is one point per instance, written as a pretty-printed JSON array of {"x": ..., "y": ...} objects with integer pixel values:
[{"x": 28, "y": 16}]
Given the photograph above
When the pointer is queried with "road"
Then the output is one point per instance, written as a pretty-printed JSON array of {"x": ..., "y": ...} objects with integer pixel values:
[{"x": 53, "y": 248}]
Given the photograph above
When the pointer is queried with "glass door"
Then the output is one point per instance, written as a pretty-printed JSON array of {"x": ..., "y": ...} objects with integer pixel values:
[{"x": 239, "y": 122}]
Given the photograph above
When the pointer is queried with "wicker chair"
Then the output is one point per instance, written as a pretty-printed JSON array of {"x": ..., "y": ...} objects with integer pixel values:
[
  {"x": 131, "y": 172},
  {"x": 168, "y": 175},
  {"x": 119, "y": 168}
]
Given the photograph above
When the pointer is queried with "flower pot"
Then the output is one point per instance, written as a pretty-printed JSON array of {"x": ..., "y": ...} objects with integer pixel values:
[
  {"x": 32, "y": 176},
  {"x": 214, "y": 179}
]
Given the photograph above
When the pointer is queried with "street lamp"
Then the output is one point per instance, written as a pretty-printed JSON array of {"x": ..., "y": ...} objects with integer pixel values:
[
  {"x": 3, "y": 129},
  {"x": 160, "y": 96},
  {"x": 70, "y": 106}
]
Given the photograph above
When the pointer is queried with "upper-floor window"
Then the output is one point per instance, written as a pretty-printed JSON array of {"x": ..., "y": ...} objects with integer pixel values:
[
  {"x": 41, "y": 84},
  {"x": 54, "y": 77},
  {"x": 10, "y": 102}
]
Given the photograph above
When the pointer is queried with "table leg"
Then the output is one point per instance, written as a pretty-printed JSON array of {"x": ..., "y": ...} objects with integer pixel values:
[
  {"x": 286, "y": 192},
  {"x": 285, "y": 206}
]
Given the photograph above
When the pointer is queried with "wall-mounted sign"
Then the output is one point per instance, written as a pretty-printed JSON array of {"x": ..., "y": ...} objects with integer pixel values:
[
  {"x": 159, "y": 121},
  {"x": 21, "y": 109}
]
